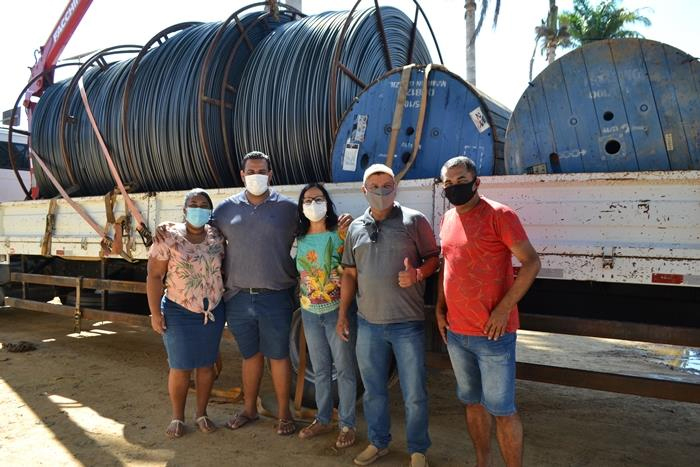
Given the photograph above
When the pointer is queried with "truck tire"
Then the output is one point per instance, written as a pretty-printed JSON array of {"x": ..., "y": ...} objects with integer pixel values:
[{"x": 309, "y": 395}]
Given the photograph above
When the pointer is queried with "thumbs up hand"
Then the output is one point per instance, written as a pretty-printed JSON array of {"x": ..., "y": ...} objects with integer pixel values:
[{"x": 409, "y": 276}]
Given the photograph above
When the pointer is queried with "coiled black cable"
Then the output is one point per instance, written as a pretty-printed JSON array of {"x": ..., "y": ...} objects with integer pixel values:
[
  {"x": 184, "y": 112},
  {"x": 166, "y": 143},
  {"x": 282, "y": 107}
]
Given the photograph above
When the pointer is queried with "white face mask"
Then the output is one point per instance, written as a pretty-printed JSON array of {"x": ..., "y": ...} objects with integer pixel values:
[
  {"x": 256, "y": 184},
  {"x": 315, "y": 211}
]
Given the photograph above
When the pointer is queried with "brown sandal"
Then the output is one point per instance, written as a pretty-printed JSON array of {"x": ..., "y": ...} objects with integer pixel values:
[
  {"x": 346, "y": 438},
  {"x": 285, "y": 427},
  {"x": 316, "y": 428}
]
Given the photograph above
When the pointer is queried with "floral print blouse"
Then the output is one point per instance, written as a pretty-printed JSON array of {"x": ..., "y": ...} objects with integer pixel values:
[
  {"x": 318, "y": 263},
  {"x": 193, "y": 280}
]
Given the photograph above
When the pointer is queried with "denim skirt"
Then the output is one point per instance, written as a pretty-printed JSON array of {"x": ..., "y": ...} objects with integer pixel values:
[{"x": 188, "y": 341}]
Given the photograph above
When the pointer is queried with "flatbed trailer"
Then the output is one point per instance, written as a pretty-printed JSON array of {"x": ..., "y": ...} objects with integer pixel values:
[{"x": 620, "y": 259}]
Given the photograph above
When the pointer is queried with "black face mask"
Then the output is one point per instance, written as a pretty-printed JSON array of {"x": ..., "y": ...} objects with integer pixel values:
[{"x": 460, "y": 194}]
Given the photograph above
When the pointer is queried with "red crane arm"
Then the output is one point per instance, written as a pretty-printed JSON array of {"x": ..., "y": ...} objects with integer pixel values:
[{"x": 51, "y": 50}]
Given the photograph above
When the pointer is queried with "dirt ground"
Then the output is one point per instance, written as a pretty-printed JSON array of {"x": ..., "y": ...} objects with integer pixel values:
[{"x": 101, "y": 399}]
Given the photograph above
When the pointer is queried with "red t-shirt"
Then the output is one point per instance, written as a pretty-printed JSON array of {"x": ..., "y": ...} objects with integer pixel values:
[{"x": 478, "y": 268}]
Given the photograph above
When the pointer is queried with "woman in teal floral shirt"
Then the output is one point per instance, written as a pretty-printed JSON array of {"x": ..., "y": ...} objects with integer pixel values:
[{"x": 319, "y": 250}]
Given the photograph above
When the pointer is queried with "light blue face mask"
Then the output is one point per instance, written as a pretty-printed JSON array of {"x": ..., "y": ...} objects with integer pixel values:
[{"x": 197, "y": 217}]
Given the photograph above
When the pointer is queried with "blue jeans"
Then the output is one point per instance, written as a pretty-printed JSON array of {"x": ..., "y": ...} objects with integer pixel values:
[
  {"x": 375, "y": 345},
  {"x": 485, "y": 371},
  {"x": 326, "y": 349}
]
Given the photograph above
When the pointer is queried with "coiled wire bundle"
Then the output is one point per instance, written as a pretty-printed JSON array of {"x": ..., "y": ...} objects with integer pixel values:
[
  {"x": 199, "y": 96},
  {"x": 283, "y": 105},
  {"x": 165, "y": 126}
]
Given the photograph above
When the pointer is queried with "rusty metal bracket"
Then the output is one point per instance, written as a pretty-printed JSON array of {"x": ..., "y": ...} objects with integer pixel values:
[
  {"x": 608, "y": 257},
  {"x": 78, "y": 314}
]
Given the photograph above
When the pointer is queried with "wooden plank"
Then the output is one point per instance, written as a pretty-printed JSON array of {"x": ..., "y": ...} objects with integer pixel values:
[
  {"x": 666, "y": 104},
  {"x": 542, "y": 124},
  {"x": 659, "y": 388},
  {"x": 583, "y": 118},
  {"x": 523, "y": 151},
  {"x": 682, "y": 68},
  {"x": 87, "y": 282},
  {"x": 567, "y": 146},
  {"x": 89, "y": 314},
  {"x": 694, "y": 135},
  {"x": 638, "y": 100},
  {"x": 610, "y": 112},
  {"x": 623, "y": 384},
  {"x": 641, "y": 332}
]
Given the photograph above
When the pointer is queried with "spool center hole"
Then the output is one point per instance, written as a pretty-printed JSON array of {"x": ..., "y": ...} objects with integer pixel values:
[{"x": 612, "y": 147}]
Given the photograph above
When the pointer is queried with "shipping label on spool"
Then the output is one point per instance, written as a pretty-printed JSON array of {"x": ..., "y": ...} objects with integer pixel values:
[
  {"x": 359, "y": 129},
  {"x": 479, "y": 119},
  {"x": 350, "y": 157},
  {"x": 668, "y": 139}
]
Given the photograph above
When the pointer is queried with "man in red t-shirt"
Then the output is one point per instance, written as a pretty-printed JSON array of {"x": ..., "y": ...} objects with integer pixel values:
[{"x": 477, "y": 311}]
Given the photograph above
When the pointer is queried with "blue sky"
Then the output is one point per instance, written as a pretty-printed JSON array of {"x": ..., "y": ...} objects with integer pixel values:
[{"x": 503, "y": 54}]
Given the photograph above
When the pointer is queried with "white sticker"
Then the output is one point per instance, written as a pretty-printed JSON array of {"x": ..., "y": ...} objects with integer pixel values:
[
  {"x": 350, "y": 157},
  {"x": 360, "y": 127},
  {"x": 668, "y": 138},
  {"x": 479, "y": 120}
]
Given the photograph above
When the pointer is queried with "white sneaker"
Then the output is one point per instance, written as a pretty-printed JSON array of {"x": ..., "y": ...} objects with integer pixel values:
[{"x": 418, "y": 460}]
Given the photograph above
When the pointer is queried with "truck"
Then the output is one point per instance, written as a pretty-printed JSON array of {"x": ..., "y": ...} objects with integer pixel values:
[{"x": 620, "y": 253}]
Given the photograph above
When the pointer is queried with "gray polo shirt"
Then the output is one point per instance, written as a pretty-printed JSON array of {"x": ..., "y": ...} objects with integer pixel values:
[
  {"x": 258, "y": 242},
  {"x": 406, "y": 233}
]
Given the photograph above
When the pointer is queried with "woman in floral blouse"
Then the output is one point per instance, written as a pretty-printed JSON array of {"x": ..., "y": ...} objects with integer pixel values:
[
  {"x": 190, "y": 315},
  {"x": 319, "y": 250}
]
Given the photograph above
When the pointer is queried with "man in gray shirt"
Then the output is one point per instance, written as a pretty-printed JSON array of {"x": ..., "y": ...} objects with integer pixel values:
[
  {"x": 389, "y": 251},
  {"x": 259, "y": 225}
]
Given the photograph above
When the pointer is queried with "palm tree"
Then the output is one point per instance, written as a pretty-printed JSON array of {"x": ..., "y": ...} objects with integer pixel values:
[
  {"x": 552, "y": 33},
  {"x": 605, "y": 21},
  {"x": 473, "y": 31}
]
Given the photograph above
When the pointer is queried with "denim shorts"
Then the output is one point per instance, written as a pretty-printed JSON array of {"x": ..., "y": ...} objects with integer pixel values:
[
  {"x": 261, "y": 322},
  {"x": 485, "y": 371}
]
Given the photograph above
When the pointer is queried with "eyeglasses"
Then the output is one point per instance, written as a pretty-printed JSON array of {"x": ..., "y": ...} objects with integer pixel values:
[
  {"x": 309, "y": 201},
  {"x": 373, "y": 232},
  {"x": 380, "y": 190}
]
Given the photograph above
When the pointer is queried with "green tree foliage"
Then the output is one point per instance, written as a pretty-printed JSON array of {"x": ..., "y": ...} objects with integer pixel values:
[
  {"x": 484, "y": 4},
  {"x": 549, "y": 35},
  {"x": 607, "y": 20}
]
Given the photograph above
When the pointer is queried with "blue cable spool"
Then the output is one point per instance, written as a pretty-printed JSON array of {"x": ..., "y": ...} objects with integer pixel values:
[
  {"x": 610, "y": 106},
  {"x": 459, "y": 120}
]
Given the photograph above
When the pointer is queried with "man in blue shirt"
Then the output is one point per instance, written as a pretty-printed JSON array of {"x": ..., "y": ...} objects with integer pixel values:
[{"x": 259, "y": 225}]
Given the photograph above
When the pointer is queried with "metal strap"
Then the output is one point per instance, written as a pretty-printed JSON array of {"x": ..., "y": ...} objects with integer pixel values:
[
  {"x": 419, "y": 124},
  {"x": 106, "y": 240}
]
